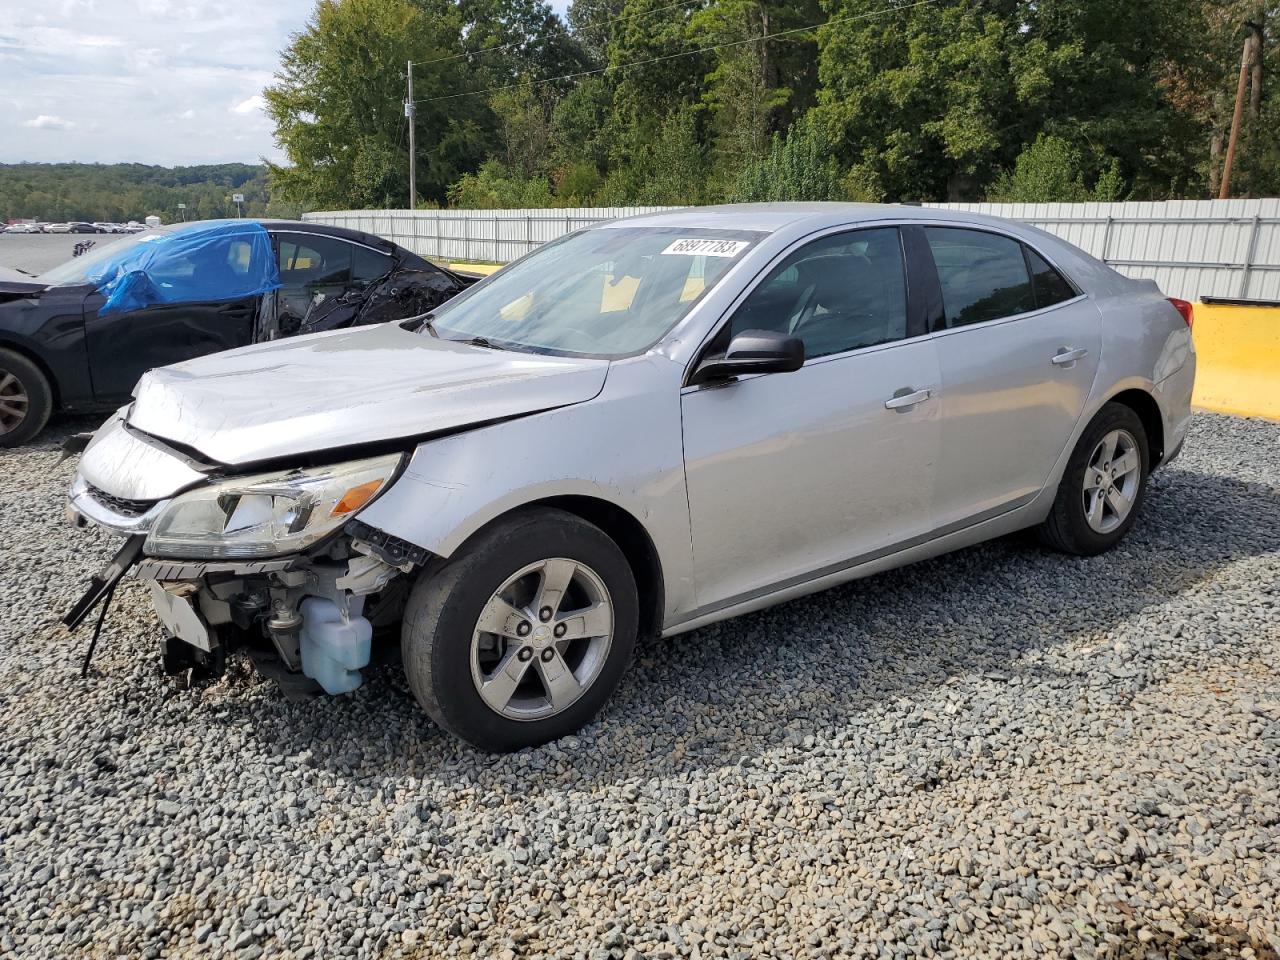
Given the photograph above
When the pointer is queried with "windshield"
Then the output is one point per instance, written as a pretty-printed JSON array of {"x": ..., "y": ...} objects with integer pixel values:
[
  {"x": 607, "y": 292},
  {"x": 77, "y": 269}
]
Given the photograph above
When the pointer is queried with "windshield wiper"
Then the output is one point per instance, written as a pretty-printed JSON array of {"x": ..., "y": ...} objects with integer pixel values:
[{"x": 480, "y": 342}]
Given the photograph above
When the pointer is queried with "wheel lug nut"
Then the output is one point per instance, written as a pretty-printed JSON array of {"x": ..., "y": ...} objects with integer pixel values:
[
  {"x": 560, "y": 630},
  {"x": 522, "y": 629},
  {"x": 547, "y": 654},
  {"x": 544, "y": 614},
  {"x": 525, "y": 654}
]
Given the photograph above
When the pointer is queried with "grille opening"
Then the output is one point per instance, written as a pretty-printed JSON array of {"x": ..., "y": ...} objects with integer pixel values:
[{"x": 121, "y": 505}]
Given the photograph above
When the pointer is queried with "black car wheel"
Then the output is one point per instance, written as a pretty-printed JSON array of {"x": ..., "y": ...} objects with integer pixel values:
[
  {"x": 522, "y": 636},
  {"x": 1103, "y": 487},
  {"x": 25, "y": 399}
]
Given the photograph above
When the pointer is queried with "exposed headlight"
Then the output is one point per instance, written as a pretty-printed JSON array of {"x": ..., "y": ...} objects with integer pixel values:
[{"x": 267, "y": 514}]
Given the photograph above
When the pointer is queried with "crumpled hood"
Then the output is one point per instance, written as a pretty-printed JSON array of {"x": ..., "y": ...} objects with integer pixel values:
[{"x": 305, "y": 395}]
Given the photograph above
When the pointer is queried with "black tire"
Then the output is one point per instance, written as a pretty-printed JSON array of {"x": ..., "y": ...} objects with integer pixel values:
[
  {"x": 32, "y": 384},
  {"x": 1067, "y": 528},
  {"x": 445, "y": 604}
]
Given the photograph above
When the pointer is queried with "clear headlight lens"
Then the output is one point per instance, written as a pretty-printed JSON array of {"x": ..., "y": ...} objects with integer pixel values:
[{"x": 267, "y": 514}]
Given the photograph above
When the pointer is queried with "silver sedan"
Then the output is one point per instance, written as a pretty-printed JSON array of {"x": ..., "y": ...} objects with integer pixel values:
[{"x": 638, "y": 429}]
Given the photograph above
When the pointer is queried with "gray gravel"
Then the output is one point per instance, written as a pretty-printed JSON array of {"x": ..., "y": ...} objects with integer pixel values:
[{"x": 1002, "y": 752}]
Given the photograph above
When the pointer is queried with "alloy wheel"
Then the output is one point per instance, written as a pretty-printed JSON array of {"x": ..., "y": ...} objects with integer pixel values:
[
  {"x": 14, "y": 402},
  {"x": 1111, "y": 480},
  {"x": 542, "y": 639}
]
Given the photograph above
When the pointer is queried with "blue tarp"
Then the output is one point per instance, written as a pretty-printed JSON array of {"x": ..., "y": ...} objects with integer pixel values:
[{"x": 210, "y": 260}]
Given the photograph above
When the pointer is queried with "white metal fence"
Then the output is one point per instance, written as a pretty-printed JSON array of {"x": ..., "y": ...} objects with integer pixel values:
[
  {"x": 474, "y": 236},
  {"x": 1191, "y": 248}
]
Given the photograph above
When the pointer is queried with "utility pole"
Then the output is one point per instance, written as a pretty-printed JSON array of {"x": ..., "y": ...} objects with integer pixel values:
[
  {"x": 1252, "y": 48},
  {"x": 409, "y": 111}
]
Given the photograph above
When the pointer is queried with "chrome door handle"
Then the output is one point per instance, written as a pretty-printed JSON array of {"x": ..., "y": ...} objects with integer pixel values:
[
  {"x": 906, "y": 400},
  {"x": 1067, "y": 355}
]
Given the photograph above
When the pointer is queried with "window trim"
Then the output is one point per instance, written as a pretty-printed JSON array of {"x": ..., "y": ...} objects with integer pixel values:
[
  {"x": 916, "y": 322},
  {"x": 944, "y": 330}
]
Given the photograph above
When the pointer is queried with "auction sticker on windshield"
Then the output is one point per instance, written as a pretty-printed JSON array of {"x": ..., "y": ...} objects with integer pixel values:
[{"x": 703, "y": 247}]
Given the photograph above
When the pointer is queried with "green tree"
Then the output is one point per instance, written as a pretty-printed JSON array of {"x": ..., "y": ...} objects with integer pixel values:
[
  {"x": 336, "y": 104},
  {"x": 1050, "y": 170},
  {"x": 932, "y": 102},
  {"x": 800, "y": 167},
  {"x": 756, "y": 87},
  {"x": 495, "y": 187}
]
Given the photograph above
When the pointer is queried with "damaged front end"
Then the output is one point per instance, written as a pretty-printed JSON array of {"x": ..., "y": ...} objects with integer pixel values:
[
  {"x": 304, "y": 616},
  {"x": 273, "y": 564}
]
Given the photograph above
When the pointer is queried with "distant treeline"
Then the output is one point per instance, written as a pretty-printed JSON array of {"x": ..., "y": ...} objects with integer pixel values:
[{"x": 119, "y": 192}]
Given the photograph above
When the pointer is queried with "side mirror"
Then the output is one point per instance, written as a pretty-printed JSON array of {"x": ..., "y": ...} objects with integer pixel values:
[{"x": 753, "y": 351}]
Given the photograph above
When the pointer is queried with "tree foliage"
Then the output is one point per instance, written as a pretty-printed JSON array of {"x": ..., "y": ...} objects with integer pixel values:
[
  {"x": 1049, "y": 170},
  {"x": 119, "y": 192},
  {"x": 640, "y": 101},
  {"x": 799, "y": 167}
]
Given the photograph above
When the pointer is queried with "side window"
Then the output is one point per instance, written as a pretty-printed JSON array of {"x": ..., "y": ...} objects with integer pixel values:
[
  {"x": 839, "y": 293},
  {"x": 1049, "y": 285},
  {"x": 368, "y": 265},
  {"x": 314, "y": 261},
  {"x": 983, "y": 275}
]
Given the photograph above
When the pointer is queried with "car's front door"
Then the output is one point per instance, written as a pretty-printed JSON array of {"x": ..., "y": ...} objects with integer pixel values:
[
  {"x": 792, "y": 475},
  {"x": 1019, "y": 349},
  {"x": 124, "y": 345}
]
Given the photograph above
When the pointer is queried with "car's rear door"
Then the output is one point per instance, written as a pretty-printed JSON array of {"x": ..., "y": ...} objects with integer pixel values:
[
  {"x": 1019, "y": 348},
  {"x": 794, "y": 475}
]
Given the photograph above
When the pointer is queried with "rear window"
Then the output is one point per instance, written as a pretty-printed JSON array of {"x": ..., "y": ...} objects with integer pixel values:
[
  {"x": 1049, "y": 285},
  {"x": 983, "y": 275}
]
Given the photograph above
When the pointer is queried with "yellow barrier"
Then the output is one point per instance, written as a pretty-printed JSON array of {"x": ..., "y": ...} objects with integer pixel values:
[
  {"x": 484, "y": 268},
  {"x": 1237, "y": 359}
]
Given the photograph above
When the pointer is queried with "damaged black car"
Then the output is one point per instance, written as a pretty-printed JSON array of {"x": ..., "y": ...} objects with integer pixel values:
[{"x": 77, "y": 338}]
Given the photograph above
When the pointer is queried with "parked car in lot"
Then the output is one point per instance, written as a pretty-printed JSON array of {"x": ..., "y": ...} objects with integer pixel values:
[
  {"x": 641, "y": 428},
  {"x": 23, "y": 228},
  {"x": 67, "y": 344},
  {"x": 57, "y": 228}
]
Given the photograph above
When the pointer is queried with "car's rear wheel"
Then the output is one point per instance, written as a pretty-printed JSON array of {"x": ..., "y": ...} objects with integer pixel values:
[
  {"x": 25, "y": 399},
  {"x": 523, "y": 635},
  {"x": 1103, "y": 487}
]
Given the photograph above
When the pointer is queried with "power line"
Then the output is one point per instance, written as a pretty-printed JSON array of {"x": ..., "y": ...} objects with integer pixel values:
[
  {"x": 684, "y": 53},
  {"x": 590, "y": 26}
]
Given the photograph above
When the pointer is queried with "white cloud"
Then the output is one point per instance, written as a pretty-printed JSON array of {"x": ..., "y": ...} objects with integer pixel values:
[
  {"x": 46, "y": 121},
  {"x": 138, "y": 68},
  {"x": 252, "y": 105}
]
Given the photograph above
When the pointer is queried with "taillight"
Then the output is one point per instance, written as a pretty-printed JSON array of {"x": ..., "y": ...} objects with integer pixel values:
[{"x": 1184, "y": 308}]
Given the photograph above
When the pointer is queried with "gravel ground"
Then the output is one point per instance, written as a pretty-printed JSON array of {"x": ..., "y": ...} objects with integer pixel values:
[{"x": 1001, "y": 752}]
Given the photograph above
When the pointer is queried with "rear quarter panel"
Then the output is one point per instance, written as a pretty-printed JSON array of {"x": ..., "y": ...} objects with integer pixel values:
[{"x": 1146, "y": 345}]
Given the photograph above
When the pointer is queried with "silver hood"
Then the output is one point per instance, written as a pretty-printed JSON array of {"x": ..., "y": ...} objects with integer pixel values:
[{"x": 308, "y": 394}]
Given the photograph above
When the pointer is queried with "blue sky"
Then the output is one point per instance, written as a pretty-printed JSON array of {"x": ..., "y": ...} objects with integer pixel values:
[{"x": 150, "y": 81}]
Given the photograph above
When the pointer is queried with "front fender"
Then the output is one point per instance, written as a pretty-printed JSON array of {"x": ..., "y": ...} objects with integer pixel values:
[{"x": 623, "y": 448}]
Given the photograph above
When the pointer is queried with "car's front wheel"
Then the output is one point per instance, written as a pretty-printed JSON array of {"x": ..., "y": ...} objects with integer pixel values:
[
  {"x": 521, "y": 636},
  {"x": 25, "y": 399},
  {"x": 1103, "y": 487}
]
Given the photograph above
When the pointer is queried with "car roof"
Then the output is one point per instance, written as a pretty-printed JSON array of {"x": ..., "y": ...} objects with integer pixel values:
[
  {"x": 795, "y": 220},
  {"x": 771, "y": 217},
  {"x": 325, "y": 230}
]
